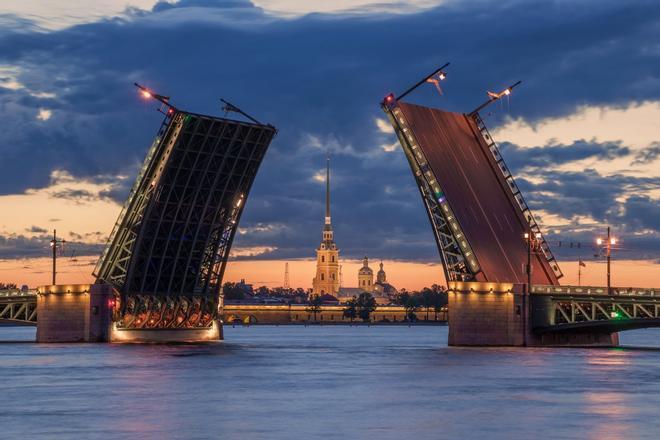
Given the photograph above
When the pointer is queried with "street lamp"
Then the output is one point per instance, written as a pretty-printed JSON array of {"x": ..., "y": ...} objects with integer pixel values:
[
  {"x": 607, "y": 243},
  {"x": 529, "y": 238}
]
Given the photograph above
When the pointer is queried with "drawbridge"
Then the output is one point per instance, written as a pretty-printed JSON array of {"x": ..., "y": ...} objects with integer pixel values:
[{"x": 502, "y": 275}]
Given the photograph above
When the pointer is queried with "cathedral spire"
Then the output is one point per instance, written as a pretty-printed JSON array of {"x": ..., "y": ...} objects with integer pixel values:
[{"x": 327, "y": 191}]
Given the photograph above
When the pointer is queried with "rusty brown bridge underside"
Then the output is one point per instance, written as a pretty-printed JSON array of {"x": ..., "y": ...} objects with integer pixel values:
[{"x": 477, "y": 212}]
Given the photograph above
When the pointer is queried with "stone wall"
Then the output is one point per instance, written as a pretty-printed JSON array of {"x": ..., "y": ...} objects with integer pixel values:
[
  {"x": 298, "y": 314},
  {"x": 481, "y": 316},
  {"x": 63, "y": 313}
]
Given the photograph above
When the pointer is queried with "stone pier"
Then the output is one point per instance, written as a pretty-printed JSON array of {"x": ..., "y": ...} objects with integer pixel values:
[
  {"x": 498, "y": 314},
  {"x": 84, "y": 313}
]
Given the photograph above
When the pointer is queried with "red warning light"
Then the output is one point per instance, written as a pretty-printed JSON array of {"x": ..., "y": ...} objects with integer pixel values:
[
  {"x": 389, "y": 100},
  {"x": 111, "y": 303}
]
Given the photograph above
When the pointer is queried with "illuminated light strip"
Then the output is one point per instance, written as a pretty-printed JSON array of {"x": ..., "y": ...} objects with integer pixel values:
[{"x": 429, "y": 177}]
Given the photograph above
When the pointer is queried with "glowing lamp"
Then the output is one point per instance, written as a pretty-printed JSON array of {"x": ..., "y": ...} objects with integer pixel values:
[
  {"x": 599, "y": 241},
  {"x": 526, "y": 235},
  {"x": 507, "y": 92},
  {"x": 613, "y": 241},
  {"x": 146, "y": 94},
  {"x": 442, "y": 76}
]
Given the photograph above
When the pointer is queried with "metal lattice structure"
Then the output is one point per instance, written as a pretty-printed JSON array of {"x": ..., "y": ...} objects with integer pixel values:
[
  {"x": 565, "y": 308},
  {"x": 168, "y": 249},
  {"x": 18, "y": 307}
]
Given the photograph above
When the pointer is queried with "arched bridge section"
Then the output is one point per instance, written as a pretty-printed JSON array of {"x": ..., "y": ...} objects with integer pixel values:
[{"x": 167, "y": 252}]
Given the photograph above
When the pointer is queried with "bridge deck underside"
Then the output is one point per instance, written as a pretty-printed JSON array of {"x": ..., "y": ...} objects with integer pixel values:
[{"x": 476, "y": 192}]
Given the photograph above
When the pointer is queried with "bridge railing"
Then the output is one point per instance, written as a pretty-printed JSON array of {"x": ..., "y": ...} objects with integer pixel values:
[
  {"x": 15, "y": 293},
  {"x": 594, "y": 290}
]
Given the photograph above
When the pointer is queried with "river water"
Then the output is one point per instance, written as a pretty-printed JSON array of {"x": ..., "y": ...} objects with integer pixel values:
[{"x": 294, "y": 382}]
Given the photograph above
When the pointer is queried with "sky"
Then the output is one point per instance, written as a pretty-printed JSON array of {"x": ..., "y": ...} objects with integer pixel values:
[{"x": 580, "y": 134}]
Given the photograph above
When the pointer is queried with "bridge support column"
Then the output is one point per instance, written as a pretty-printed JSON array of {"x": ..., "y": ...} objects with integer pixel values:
[
  {"x": 483, "y": 314},
  {"x": 74, "y": 313}
]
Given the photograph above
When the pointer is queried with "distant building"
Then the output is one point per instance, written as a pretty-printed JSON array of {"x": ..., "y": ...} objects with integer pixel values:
[
  {"x": 245, "y": 288},
  {"x": 326, "y": 283},
  {"x": 366, "y": 277},
  {"x": 381, "y": 290},
  {"x": 381, "y": 287},
  {"x": 326, "y": 280}
]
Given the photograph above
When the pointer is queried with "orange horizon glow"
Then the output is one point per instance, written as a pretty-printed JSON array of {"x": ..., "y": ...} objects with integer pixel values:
[{"x": 401, "y": 274}]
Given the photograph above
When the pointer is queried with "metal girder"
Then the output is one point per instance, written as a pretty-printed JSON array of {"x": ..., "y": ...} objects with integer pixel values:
[
  {"x": 21, "y": 309},
  {"x": 458, "y": 260},
  {"x": 574, "y": 312},
  {"x": 169, "y": 311}
]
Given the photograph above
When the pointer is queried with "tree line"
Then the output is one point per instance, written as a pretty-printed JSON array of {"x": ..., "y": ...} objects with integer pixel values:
[{"x": 430, "y": 299}]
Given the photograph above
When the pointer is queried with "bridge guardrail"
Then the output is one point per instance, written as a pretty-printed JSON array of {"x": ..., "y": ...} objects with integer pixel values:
[
  {"x": 594, "y": 290},
  {"x": 15, "y": 293}
]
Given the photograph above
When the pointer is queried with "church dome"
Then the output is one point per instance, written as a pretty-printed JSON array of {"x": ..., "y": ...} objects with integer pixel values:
[
  {"x": 381, "y": 277},
  {"x": 365, "y": 269}
]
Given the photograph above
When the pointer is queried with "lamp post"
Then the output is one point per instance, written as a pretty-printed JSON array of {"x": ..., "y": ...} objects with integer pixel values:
[
  {"x": 608, "y": 246},
  {"x": 529, "y": 238},
  {"x": 55, "y": 243}
]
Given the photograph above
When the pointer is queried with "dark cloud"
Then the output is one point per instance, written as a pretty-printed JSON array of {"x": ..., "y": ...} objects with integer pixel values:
[
  {"x": 647, "y": 155},
  {"x": 37, "y": 230},
  {"x": 76, "y": 195},
  {"x": 520, "y": 158},
  {"x": 324, "y": 76},
  {"x": 21, "y": 246}
]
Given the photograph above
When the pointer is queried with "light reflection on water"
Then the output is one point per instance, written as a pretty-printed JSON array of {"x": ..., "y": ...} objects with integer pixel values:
[{"x": 330, "y": 381}]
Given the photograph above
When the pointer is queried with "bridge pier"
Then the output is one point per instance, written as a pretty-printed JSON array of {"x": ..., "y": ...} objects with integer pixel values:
[
  {"x": 499, "y": 314},
  {"x": 74, "y": 313},
  {"x": 84, "y": 312}
]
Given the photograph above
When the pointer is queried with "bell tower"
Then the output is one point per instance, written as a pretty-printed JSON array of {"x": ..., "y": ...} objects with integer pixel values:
[{"x": 326, "y": 280}]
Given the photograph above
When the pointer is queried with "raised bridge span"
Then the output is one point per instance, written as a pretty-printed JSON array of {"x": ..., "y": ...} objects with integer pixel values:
[{"x": 502, "y": 276}]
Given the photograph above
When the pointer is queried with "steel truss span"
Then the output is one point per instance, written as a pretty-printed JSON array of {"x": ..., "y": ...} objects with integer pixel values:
[
  {"x": 477, "y": 213},
  {"x": 18, "y": 308},
  {"x": 167, "y": 252},
  {"x": 571, "y": 308}
]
